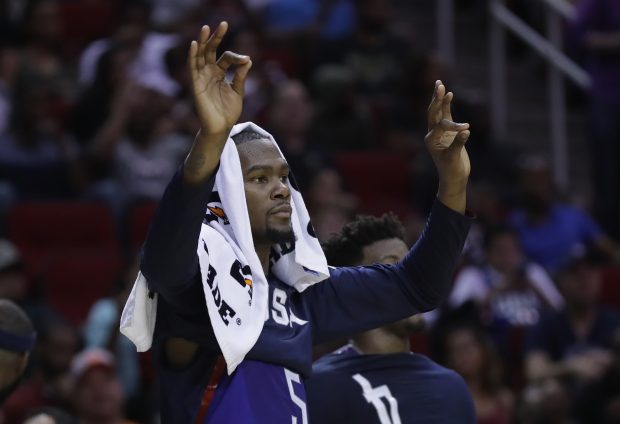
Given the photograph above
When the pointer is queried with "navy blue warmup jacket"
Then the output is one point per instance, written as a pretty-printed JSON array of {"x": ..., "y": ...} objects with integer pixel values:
[
  {"x": 399, "y": 388},
  {"x": 268, "y": 386}
]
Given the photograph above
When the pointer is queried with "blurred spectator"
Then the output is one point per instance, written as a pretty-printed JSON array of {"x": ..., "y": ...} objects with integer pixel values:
[
  {"x": 469, "y": 352},
  {"x": 129, "y": 33},
  {"x": 50, "y": 416},
  {"x": 165, "y": 14},
  {"x": 148, "y": 67},
  {"x": 574, "y": 344},
  {"x": 16, "y": 285},
  {"x": 325, "y": 18},
  {"x": 17, "y": 338},
  {"x": 552, "y": 232},
  {"x": 265, "y": 77},
  {"x": 597, "y": 31},
  {"x": 600, "y": 401},
  {"x": 329, "y": 204},
  {"x": 290, "y": 117},
  {"x": 101, "y": 97},
  {"x": 546, "y": 403},
  {"x": 407, "y": 119},
  {"x": 102, "y": 331},
  {"x": 37, "y": 158},
  {"x": 9, "y": 66},
  {"x": 182, "y": 110},
  {"x": 13, "y": 282},
  {"x": 97, "y": 392},
  {"x": 341, "y": 121},
  {"x": 510, "y": 290},
  {"x": 42, "y": 57},
  {"x": 373, "y": 53},
  {"x": 483, "y": 198},
  {"x": 140, "y": 145},
  {"x": 49, "y": 382}
]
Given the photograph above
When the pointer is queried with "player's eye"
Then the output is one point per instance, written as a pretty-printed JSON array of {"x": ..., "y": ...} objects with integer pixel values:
[
  {"x": 259, "y": 179},
  {"x": 284, "y": 179}
]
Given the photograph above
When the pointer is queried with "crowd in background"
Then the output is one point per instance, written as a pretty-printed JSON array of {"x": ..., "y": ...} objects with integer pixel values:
[{"x": 96, "y": 116}]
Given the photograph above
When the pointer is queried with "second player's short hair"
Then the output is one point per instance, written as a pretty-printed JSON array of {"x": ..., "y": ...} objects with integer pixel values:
[
  {"x": 346, "y": 247},
  {"x": 247, "y": 135}
]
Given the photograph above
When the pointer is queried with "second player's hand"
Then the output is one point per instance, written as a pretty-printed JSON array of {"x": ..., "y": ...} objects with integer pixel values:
[{"x": 218, "y": 101}]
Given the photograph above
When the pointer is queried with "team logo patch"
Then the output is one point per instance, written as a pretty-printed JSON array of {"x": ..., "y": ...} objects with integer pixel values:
[{"x": 215, "y": 211}]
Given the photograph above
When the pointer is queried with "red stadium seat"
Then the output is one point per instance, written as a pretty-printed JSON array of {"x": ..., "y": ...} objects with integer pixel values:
[
  {"x": 73, "y": 281},
  {"x": 40, "y": 229},
  {"x": 45, "y": 225},
  {"x": 84, "y": 21},
  {"x": 610, "y": 291},
  {"x": 140, "y": 218},
  {"x": 380, "y": 180}
]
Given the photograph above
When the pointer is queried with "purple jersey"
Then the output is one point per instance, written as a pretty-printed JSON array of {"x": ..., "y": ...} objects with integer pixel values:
[{"x": 259, "y": 392}]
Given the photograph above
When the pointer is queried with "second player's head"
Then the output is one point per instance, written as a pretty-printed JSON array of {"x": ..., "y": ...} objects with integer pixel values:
[
  {"x": 372, "y": 240},
  {"x": 367, "y": 240},
  {"x": 265, "y": 179}
]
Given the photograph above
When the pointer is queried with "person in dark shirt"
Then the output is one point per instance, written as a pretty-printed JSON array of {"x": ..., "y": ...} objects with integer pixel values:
[
  {"x": 268, "y": 385},
  {"x": 17, "y": 339},
  {"x": 575, "y": 343},
  {"x": 376, "y": 379}
]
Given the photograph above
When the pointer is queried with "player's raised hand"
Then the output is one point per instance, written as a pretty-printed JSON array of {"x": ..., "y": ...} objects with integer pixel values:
[
  {"x": 218, "y": 101},
  {"x": 446, "y": 139}
]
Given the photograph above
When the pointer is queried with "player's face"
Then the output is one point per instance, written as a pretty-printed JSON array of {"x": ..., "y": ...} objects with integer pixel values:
[
  {"x": 265, "y": 178},
  {"x": 391, "y": 251},
  {"x": 388, "y": 251}
]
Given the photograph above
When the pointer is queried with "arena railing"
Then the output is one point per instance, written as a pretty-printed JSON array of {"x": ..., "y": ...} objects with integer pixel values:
[
  {"x": 549, "y": 47},
  {"x": 560, "y": 66}
]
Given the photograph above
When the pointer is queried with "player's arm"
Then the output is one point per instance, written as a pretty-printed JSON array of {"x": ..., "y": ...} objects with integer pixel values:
[
  {"x": 356, "y": 299},
  {"x": 169, "y": 259}
]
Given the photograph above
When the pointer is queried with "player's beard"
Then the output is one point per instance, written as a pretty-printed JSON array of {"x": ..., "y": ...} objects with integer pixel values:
[{"x": 280, "y": 236}]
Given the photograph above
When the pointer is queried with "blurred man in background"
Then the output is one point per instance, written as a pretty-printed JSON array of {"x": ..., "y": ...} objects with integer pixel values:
[{"x": 17, "y": 338}]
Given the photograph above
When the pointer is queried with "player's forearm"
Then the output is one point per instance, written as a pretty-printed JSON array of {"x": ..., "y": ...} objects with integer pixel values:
[
  {"x": 202, "y": 160},
  {"x": 432, "y": 261},
  {"x": 169, "y": 260},
  {"x": 453, "y": 195}
]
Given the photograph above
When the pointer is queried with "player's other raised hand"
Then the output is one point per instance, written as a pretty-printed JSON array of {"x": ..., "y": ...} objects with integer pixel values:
[
  {"x": 218, "y": 101},
  {"x": 446, "y": 139}
]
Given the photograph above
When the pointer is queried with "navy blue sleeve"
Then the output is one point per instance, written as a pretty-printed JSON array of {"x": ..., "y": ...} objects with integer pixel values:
[
  {"x": 169, "y": 258},
  {"x": 356, "y": 299}
]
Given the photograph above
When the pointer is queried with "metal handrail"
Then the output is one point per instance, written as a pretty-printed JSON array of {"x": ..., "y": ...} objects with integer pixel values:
[
  {"x": 545, "y": 48},
  {"x": 562, "y": 7},
  {"x": 560, "y": 65}
]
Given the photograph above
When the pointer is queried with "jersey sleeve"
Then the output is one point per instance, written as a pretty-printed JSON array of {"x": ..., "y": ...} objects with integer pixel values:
[
  {"x": 356, "y": 299},
  {"x": 169, "y": 259}
]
